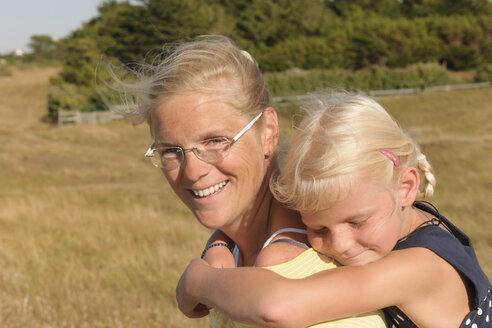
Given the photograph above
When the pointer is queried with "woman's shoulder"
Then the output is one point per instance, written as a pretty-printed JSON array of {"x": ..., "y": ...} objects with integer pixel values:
[
  {"x": 283, "y": 245},
  {"x": 287, "y": 237}
]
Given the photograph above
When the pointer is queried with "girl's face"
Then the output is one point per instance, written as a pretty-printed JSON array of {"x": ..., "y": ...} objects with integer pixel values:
[
  {"x": 218, "y": 194},
  {"x": 359, "y": 229}
]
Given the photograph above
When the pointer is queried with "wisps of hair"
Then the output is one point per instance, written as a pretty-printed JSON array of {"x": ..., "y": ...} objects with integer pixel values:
[
  {"x": 336, "y": 143},
  {"x": 211, "y": 64}
]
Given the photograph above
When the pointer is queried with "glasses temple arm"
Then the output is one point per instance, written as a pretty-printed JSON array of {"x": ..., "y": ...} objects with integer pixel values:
[
  {"x": 246, "y": 128},
  {"x": 150, "y": 151}
]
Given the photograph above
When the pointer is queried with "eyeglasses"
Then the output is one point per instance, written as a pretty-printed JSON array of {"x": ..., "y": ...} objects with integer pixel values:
[{"x": 211, "y": 150}]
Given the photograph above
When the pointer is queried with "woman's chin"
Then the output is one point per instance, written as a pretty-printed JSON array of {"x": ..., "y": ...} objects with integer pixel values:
[{"x": 213, "y": 223}]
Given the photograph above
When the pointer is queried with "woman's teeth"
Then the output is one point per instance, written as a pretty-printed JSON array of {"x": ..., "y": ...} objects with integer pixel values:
[{"x": 210, "y": 190}]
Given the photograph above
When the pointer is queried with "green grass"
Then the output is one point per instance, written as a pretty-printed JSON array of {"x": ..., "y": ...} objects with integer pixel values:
[
  {"x": 92, "y": 236},
  {"x": 455, "y": 132}
]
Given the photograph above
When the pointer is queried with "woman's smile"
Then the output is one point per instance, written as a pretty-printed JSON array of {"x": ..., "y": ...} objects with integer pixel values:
[{"x": 209, "y": 191}]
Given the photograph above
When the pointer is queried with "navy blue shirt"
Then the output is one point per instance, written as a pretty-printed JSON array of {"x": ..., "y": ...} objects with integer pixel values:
[{"x": 456, "y": 248}]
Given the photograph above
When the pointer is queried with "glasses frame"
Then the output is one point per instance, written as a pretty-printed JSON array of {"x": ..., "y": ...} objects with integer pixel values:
[{"x": 150, "y": 153}]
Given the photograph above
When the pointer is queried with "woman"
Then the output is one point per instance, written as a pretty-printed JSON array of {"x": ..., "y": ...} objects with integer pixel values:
[{"x": 215, "y": 135}]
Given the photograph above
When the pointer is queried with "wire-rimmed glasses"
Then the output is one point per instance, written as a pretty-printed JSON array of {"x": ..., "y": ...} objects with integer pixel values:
[{"x": 210, "y": 150}]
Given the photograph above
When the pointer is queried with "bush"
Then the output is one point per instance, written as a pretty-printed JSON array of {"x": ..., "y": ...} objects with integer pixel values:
[
  {"x": 296, "y": 81},
  {"x": 306, "y": 53},
  {"x": 68, "y": 96},
  {"x": 484, "y": 73},
  {"x": 465, "y": 40},
  {"x": 305, "y": 45}
]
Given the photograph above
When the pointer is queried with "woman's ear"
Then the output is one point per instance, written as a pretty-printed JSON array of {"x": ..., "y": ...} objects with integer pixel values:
[
  {"x": 408, "y": 186},
  {"x": 270, "y": 133}
]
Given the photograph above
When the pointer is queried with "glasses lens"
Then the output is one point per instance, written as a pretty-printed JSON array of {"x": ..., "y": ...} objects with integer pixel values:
[
  {"x": 167, "y": 158},
  {"x": 213, "y": 150},
  {"x": 156, "y": 161}
]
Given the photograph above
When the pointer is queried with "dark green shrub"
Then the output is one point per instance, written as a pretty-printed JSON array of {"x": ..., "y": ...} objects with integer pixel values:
[
  {"x": 68, "y": 96},
  {"x": 484, "y": 73},
  {"x": 458, "y": 57},
  {"x": 296, "y": 81}
]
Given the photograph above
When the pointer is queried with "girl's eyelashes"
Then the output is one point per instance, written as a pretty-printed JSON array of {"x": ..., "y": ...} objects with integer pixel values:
[
  {"x": 317, "y": 230},
  {"x": 358, "y": 222},
  {"x": 355, "y": 223}
]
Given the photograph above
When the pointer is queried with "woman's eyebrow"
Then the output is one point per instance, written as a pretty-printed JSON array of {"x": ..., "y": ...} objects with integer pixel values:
[
  {"x": 203, "y": 136},
  {"x": 216, "y": 133},
  {"x": 161, "y": 144}
]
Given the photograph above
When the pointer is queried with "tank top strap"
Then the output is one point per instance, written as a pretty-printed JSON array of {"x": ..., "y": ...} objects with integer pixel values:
[{"x": 280, "y": 231}]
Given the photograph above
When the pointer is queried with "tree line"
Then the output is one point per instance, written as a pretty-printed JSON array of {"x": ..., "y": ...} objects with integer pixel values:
[{"x": 283, "y": 35}]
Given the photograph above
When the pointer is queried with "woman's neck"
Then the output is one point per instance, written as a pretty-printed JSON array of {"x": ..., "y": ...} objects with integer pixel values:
[
  {"x": 253, "y": 228},
  {"x": 252, "y": 237}
]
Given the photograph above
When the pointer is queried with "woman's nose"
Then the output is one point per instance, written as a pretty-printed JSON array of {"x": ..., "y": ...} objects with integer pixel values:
[{"x": 193, "y": 167}]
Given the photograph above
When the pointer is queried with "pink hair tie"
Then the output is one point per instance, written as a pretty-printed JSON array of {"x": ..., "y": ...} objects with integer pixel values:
[{"x": 392, "y": 157}]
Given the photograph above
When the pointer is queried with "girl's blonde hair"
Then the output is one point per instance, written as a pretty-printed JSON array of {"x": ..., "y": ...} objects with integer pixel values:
[
  {"x": 340, "y": 140},
  {"x": 211, "y": 64}
]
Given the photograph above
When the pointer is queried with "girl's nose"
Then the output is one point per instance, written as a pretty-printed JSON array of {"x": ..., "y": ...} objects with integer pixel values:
[{"x": 341, "y": 242}]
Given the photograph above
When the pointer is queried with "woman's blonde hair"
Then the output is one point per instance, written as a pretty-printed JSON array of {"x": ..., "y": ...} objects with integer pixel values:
[
  {"x": 211, "y": 64},
  {"x": 340, "y": 140}
]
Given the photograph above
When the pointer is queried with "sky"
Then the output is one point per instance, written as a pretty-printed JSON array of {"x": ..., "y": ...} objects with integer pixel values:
[{"x": 20, "y": 19}]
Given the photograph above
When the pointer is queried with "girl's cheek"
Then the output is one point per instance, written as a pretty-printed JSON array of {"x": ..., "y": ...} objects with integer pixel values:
[{"x": 317, "y": 242}]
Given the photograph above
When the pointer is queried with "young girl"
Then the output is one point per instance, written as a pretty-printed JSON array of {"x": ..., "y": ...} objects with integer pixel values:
[{"x": 355, "y": 175}]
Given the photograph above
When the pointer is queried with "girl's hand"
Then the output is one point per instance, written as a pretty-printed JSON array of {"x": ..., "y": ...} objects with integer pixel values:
[{"x": 187, "y": 289}]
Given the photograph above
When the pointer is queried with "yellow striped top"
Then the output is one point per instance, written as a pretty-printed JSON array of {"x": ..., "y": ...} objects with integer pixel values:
[{"x": 307, "y": 263}]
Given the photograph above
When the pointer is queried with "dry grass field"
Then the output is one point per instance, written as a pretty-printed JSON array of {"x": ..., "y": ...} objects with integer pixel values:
[{"x": 91, "y": 235}]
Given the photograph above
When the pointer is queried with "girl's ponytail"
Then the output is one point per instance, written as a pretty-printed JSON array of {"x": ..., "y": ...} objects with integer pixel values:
[{"x": 428, "y": 178}]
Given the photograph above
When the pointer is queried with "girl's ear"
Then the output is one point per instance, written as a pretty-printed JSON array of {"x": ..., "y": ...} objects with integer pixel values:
[
  {"x": 270, "y": 132},
  {"x": 408, "y": 186}
]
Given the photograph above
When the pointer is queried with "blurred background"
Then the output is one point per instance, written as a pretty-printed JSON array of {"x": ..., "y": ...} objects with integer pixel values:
[{"x": 90, "y": 233}]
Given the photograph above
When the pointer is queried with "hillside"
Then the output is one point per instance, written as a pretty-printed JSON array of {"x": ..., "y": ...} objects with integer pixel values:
[{"x": 91, "y": 235}]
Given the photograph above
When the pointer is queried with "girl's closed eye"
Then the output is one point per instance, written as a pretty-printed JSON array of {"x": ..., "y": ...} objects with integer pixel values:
[
  {"x": 318, "y": 230},
  {"x": 357, "y": 223}
]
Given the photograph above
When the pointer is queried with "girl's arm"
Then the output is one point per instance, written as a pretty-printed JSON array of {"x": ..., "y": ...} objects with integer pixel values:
[
  {"x": 261, "y": 297},
  {"x": 219, "y": 256}
]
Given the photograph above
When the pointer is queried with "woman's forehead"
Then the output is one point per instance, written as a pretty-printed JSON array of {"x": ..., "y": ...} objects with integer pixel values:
[
  {"x": 197, "y": 114},
  {"x": 197, "y": 105}
]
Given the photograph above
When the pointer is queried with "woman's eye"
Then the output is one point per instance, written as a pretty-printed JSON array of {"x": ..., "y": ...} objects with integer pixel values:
[
  {"x": 214, "y": 142},
  {"x": 171, "y": 151}
]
